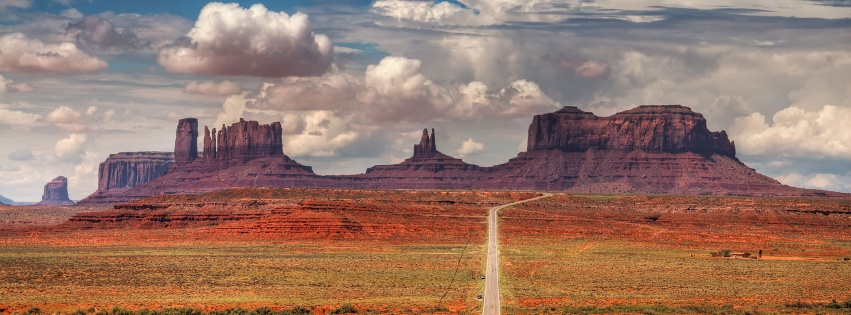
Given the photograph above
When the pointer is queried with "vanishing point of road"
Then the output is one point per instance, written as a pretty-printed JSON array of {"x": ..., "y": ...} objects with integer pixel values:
[{"x": 491, "y": 295}]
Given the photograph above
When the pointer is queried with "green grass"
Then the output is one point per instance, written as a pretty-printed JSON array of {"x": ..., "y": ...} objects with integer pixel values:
[{"x": 288, "y": 275}]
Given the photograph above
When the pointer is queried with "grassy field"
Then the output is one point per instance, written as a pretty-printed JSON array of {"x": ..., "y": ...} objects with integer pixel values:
[
  {"x": 318, "y": 276},
  {"x": 651, "y": 255}
]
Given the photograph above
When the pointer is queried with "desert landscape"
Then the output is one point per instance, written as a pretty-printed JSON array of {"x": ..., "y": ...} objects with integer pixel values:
[
  {"x": 421, "y": 252},
  {"x": 489, "y": 157}
]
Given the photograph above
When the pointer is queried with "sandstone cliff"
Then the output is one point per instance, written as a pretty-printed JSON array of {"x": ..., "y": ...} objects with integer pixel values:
[
  {"x": 185, "y": 141},
  {"x": 648, "y": 128},
  {"x": 657, "y": 149},
  {"x": 56, "y": 193},
  {"x": 125, "y": 170},
  {"x": 242, "y": 142}
]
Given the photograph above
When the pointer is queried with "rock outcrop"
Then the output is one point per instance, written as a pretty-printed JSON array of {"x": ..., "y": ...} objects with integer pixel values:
[
  {"x": 186, "y": 141},
  {"x": 242, "y": 142},
  {"x": 56, "y": 193},
  {"x": 656, "y": 149},
  {"x": 244, "y": 154},
  {"x": 428, "y": 168},
  {"x": 648, "y": 128},
  {"x": 125, "y": 170}
]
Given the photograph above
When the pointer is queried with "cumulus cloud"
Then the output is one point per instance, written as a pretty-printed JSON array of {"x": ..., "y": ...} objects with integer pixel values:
[
  {"x": 816, "y": 181},
  {"x": 18, "y": 53},
  {"x": 10, "y": 117},
  {"x": 225, "y": 87},
  {"x": 68, "y": 119},
  {"x": 71, "y": 149},
  {"x": 101, "y": 34},
  {"x": 324, "y": 134},
  {"x": 470, "y": 147},
  {"x": 21, "y": 155},
  {"x": 795, "y": 132},
  {"x": 519, "y": 98},
  {"x": 421, "y": 11},
  {"x": 396, "y": 90},
  {"x": 231, "y": 40},
  {"x": 592, "y": 69}
]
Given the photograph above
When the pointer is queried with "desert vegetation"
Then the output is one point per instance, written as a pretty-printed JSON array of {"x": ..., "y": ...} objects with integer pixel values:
[{"x": 274, "y": 251}]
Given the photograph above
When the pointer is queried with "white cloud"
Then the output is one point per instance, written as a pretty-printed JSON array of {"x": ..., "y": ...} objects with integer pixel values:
[
  {"x": 69, "y": 119},
  {"x": 225, "y": 87},
  {"x": 796, "y": 132},
  {"x": 395, "y": 90},
  {"x": 16, "y": 4},
  {"x": 592, "y": 69},
  {"x": 816, "y": 181},
  {"x": 71, "y": 149},
  {"x": 22, "y": 54},
  {"x": 421, "y": 11},
  {"x": 11, "y": 117},
  {"x": 230, "y": 40},
  {"x": 470, "y": 147},
  {"x": 324, "y": 134},
  {"x": 72, "y": 13}
]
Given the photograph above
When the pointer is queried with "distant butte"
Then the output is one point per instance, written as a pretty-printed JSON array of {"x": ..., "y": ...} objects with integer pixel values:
[
  {"x": 56, "y": 193},
  {"x": 655, "y": 149}
]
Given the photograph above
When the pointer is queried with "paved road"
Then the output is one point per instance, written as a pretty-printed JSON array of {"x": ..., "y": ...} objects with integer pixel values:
[{"x": 491, "y": 294}]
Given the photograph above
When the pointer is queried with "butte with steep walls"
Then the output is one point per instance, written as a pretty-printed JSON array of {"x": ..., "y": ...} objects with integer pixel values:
[{"x": 651, "y": 149}]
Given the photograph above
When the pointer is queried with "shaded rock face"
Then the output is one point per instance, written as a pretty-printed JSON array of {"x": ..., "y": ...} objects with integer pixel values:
[
  {"x": 56, "y": 193},
  {"x": 186, "y": 141},
  {"x": 648, "y": 128},
  {"x": 242, "y": 142},
  {"x": 131, "y": 169},
  {"x": 427, "y": 146}
]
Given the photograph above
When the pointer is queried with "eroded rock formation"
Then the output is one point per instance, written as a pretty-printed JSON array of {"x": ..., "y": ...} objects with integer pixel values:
[
  {"x": 648, "y": 128},
  {"x": 428, "y": 168},
  {"x": 242, "y": 142},
  {"x": 186, "y": 141},
  {"x": 125, "y": 170},
  {"x": 56, "y": 193},
  {"x": 650, "y": 149}
]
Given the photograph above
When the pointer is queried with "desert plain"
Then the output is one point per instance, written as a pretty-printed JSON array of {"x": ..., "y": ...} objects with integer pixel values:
[{"x": 261, "y": 250}]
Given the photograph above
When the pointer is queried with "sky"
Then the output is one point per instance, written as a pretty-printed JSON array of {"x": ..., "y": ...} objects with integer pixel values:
[{"x": 355, "y": 82}]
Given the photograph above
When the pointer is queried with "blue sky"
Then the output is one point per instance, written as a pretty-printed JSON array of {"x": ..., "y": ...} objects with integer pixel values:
[{"x": 354, "y": 82}]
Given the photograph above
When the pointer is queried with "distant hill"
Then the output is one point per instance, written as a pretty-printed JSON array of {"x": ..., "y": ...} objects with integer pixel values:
[{"x": 5, "y": 200}]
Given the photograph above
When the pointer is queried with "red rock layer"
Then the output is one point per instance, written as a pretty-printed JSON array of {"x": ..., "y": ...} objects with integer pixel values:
[
  {"x": 648, "y": 128},
  {"x": 242, "y": 142},
  {"x": 185, "y": 141},
  {"x": 56, "y": 193},
  {"x": 125, "y": 170}
]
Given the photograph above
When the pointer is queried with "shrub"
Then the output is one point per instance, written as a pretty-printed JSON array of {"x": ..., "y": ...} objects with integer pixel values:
[
  {"x": 726, "y": 252},
  {"x": 345, "y": 309}
]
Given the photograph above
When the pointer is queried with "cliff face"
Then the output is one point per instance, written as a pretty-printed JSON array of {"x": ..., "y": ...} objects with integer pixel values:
[
  {"x": 130, "y": 169},
  {"x": 125, "y": 170},
  {"x": 185, "y": 141},
  {"x": 242, "y": 142},
  {"x": 648, "y": 128},
  {"x": 650, "y": 149},
  {"x": 56, "y": 193}
]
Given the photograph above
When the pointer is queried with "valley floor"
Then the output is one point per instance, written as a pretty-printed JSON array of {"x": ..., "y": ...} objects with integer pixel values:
[{"x": 421, "y": 252}]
